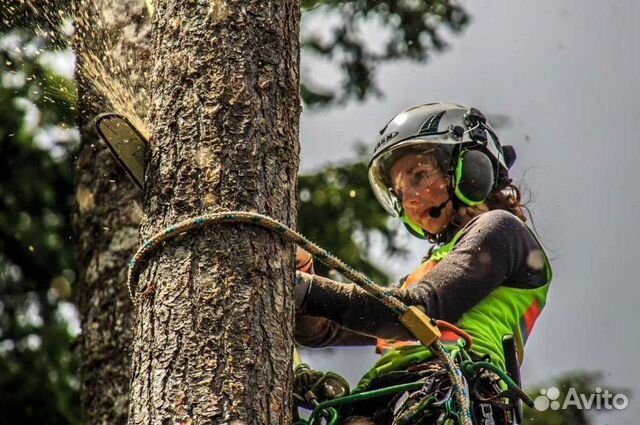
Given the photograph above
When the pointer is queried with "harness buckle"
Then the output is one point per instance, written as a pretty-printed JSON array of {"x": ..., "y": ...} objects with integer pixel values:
[{"x": 421, "y": 326}]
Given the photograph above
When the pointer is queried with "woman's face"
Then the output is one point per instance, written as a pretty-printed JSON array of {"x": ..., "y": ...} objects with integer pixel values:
[{"x": 421, "y": 186}]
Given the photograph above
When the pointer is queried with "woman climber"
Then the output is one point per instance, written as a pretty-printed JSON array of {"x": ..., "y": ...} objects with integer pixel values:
[{"x": 441, "y": 169}]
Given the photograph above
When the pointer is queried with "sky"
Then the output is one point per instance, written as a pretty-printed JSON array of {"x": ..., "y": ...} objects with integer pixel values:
[{"x": 565, "y": 73}]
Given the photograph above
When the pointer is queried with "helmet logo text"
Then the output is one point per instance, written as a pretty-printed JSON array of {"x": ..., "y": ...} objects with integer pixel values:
[{"x": 385, "y": 139}]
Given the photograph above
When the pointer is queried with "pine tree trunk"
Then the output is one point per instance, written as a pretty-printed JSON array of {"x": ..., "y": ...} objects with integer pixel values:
[
  {"x": 108, "y": 210},
  {"x": 214, "y": 322}
]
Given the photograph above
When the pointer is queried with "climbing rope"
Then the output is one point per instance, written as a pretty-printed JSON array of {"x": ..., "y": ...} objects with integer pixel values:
[{"x": 419, "y": 324}]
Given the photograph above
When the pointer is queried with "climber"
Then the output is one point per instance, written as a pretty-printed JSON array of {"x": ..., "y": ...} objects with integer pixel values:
[{"x": 441, "y": 169}]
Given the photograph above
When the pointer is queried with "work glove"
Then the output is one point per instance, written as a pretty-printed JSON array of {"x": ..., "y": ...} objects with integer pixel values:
[
  {"x": 304, "y": 260},
  {"x": 311, "y": 387}
]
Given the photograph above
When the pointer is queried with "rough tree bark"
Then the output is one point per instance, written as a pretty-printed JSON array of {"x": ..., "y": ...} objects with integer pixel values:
[
  {"x": 214, "y": 322},
  {"x": 108, "y": 208}
]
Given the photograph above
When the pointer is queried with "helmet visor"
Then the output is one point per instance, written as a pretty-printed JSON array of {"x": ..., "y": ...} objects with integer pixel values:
[{"x": 380, "y": 168}]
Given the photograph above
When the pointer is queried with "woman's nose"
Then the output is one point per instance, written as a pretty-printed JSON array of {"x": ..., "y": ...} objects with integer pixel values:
[{"x": 411, "y": 198}]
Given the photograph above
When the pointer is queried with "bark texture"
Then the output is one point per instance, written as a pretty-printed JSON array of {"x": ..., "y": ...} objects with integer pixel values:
[
  {"x": 214, "y": 323},
  {"x": 108, "y": 209}
]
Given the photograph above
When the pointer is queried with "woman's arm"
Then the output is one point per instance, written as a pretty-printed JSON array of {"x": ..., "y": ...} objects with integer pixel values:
[
  {"x": 317, "y": 332},
  {"x": 494, "y": 250}
]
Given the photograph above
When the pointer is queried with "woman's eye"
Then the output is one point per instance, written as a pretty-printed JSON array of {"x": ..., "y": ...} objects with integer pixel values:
[{"x": 419, "y": 176}]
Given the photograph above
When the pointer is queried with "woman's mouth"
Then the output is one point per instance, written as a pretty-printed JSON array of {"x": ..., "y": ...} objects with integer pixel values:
[{"x": 426, "y": 214}]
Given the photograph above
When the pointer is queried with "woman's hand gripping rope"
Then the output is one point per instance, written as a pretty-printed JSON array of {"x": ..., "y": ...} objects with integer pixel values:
[{"x": 417, "y": 322}]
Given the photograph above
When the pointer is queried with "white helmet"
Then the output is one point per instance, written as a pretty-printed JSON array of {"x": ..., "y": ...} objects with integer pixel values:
[{"x": 465, "y": 145}]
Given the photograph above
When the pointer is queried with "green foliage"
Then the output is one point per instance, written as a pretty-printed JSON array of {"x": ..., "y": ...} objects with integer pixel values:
[
  {"x": 38, "y": 367},
  {"x": 406, "y": 30},
  {"x": 28, "y": 15},
  {"x": 338, "y": 211}
]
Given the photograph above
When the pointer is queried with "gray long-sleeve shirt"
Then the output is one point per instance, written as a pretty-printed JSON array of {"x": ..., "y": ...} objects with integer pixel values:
[{"x": 496, "y": 249}]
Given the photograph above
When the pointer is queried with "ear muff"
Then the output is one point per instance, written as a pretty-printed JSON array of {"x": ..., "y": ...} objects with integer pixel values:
[{"x": 474, "y": 177}]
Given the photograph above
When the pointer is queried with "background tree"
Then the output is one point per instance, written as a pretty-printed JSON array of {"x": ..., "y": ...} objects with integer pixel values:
[
  {"x": 110, "y": 56},
  {"x": 407, "y": 30},
  {"x": 338, "y": 210},
  {"x": 38, "y": 370}
]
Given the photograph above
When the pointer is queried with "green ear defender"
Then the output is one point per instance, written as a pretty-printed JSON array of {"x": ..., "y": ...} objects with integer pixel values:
[{"x": 473, "y": 177}]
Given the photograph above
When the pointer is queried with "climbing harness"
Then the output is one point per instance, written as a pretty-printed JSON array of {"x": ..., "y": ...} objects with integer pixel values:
[
  {"x": 419, "y": 324},
  {"x": 428, "y": 398}
]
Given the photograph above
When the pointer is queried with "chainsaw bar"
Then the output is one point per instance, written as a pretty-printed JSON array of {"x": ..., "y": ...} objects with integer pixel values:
[{"x": 125, "y": 142}]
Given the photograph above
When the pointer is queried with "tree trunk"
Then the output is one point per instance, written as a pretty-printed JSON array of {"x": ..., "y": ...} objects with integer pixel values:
[
  {"x": 108, "y": 32},
  {"x": 214, "y": 322}
]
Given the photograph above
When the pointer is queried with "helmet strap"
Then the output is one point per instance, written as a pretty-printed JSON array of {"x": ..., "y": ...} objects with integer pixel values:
[{"x": 412, "y": 227}]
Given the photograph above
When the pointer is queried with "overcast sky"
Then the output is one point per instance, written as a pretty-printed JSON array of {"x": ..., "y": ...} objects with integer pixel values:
[{"x": 566, "y": 73}]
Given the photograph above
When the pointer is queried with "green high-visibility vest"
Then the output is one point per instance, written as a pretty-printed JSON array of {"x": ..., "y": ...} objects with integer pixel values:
[{"x": 505, "y": 311}]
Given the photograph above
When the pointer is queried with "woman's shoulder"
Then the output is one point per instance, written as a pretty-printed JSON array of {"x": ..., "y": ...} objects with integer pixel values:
[
  {"x": 497, "y": 218},
  {"x": 485, "y": 228},
  {"x": 504, "y": 235},
  {"x": 497, "y": 223}
]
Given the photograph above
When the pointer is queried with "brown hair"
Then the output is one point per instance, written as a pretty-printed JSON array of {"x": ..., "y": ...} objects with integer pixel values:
[{"x": 508, "y": 199}]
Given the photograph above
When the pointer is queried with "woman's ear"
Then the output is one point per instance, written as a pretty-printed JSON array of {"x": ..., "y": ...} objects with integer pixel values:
[{"x": 448, "y": 177}]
